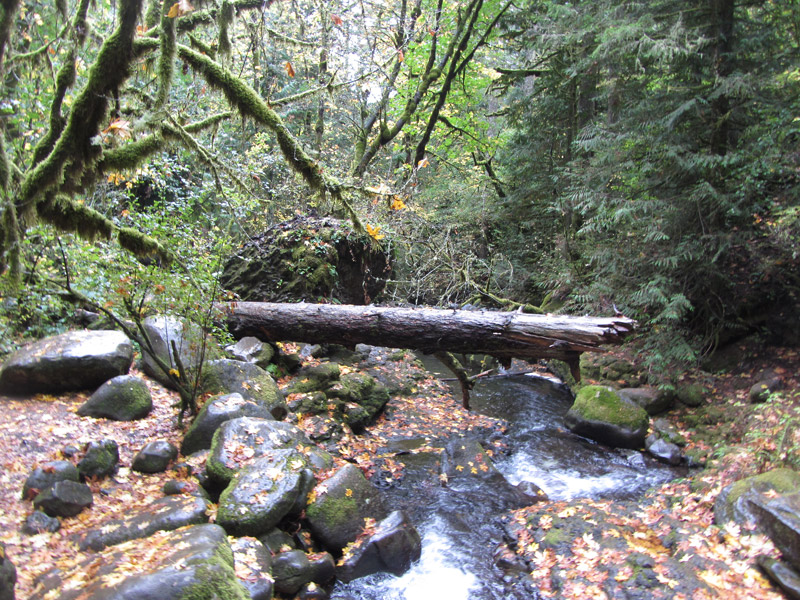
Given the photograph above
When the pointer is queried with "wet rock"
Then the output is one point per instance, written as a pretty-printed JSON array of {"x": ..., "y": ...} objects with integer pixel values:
[
  {"x": 600, "y": 414},
  {"x": 252, "y": 349},
  {"x": 364, "y": 391},
  {"x": 761, "y": 391},
  {"x": 340, "y": 505},
  {"x": 43, "y": 477},
  {"x": 313, "y": 378},
  {"x": 252, "y": 382},
  {"x": 691, "y": 395},
  {"x": 264, "y": 492},
  {"x": 240, "y": 441},
  {"x": 323, "y": 567},
  {"x": 652, "y": 399},
  {"x": 100, "y": 460},
  {"x": 779, "y": 519},
  {"x": 214, "y": 413},
  {"x": 123, "y": 398},
  {"x": 663, "y": 450},
  {"x": 64, "y": 499},
  {"x": 291, "y": 571},
  {"x": 195, "y": 562},
  {"x": 163, "y": 514},
  {"x": 312, "y": 591},
  {"x": 178, "y": 487},
  {"x": 76, "y": 360},
  {"x": 154, "y": 457},
  {"x": 734, "y": 502},
  {"x": 782, "y": 574},
  {"x": 393, "y": 546},
  {"x": 253, "y": 565},
  {"x": 320, "y": 428},
  {"x": 8, "y": 575},
  {"x": 163, "y": 331},
  {"x": 40, "y": 522},
  {"x": 277, "y": 541}
]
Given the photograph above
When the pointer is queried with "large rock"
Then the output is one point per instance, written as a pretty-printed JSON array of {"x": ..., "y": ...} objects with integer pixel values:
[
  {"x": 253, "y": 565},
  {"x": 123, "y": 398},
  {"x": 194, "y": 563},
  {"x": 340, "y": 505},
  {"x": 251, "y": 381},
  {"x": 264, "y": 492},
  {"x": 305, "y": 259},
  {"x": 393, "y": 546},
  {"x": 782, "y": 574},
  {"x": 76, "y": 360},
  {"x": 163, "y": 331},
  {"x": 64, "y": 499},
  {"x": 735, "y": 501},
  {"x": 239, "y": 442},
  {"x": 252, "y": 350},
  {"x": 214, "y": 413},
  {"x": 8, "y": 575},
  {"x": 101, "y": 459},
  {"x": 164, "y": 514},
  {"x": 154, "y": 457},
  {"x": 779, "y": 519},
  {"x": 292, "y": 570},
  {"x": 367, "y": 394},
  {"x": 652, "y": 399},
  {"x": 43, "y": 477},
  {"x": 600, "y": 414}
]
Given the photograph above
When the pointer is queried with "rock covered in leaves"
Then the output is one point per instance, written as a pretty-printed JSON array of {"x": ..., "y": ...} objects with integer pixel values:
[
  {"x": 122, "y": 398},
  {"x": 64, "y": 499},
  {"x": 265, "y": 491},
  {"x": 8, "y": 575},
  {"x": 240, "y": 441},
  {"x": 100, "y": 460},
  {"x": 194, "y": 562},
  {"x": 600, "y": 414},
  {"x": 154, "y": 457},
  {"x": 225, "y": 376},
  {"x": 163, "y": 514},
  {"x": 253, "y": 565},
  {"x": 392, "y": 546},
  {"x": 214, "y": 413},
  {"x": 76, "y": 360},
  {"x": 44, "y": 476},
  {"x": 39, "y": 522},
  {"x": 338, "y": 506}
]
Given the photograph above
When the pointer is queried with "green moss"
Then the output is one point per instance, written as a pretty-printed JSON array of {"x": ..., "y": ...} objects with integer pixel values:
[
  {"x": 333, "y": 511},
  {"x": 142, "y": 245},
  {"x": 217, "y": 579},
  {"x": 783, "y": 481},
  {"x": 166, "y": 60},
  {"x": 200, "y": 45},
  {"x": 554, "y": 537},
  {"x": 5, "y": 166},
  {"x": 69, "y": 215},
  {"x": 130, "y": 155},
  {"x": 598, "y": 403},
  {"x": 224, "y": 22}
]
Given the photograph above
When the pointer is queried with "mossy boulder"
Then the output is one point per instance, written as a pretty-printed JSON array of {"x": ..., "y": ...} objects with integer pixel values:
[
  {"x": 339, "y": 506},
  {"x": 734, "y": 502},
  {"x": 193, "y": 563},
  {"x": 691, "y": 395},
  {"x": 251, "y": 349},
  {"x": 654, "y": 400},
  {"x": 600, "y": 414},
  {"x": 123, "y": 398},
  {"x": 8, "y": 575},
  {"x": 366, "y": 392},
  {"x": 314, "y": 378},
  {"x": 225, "y": 376},
  {"x": 100, "y": 460},
  {"x": 308, "y": 258}
]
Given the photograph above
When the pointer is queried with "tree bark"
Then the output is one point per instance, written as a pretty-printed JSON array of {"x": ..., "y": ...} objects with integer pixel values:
[{"x": 503, "y": 335}]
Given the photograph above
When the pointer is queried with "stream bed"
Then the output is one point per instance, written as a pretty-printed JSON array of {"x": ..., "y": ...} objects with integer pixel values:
[{"x": 460, "y": 522}]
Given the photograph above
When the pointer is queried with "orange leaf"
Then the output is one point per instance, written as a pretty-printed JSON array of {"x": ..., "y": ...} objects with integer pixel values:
[
  {"x": 397, "y": 203},
  {"x": 289, "y": 69},
  {"x": 423, "y": 163},
  {"x": 400, "y": 56},
  {"x": 179, "y": 9},
  {"x": 120, "y": 128},
  {"x": 337, "y": 20}
]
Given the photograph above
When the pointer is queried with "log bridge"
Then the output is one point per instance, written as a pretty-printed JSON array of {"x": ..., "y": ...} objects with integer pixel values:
[{"x": 503, "y": 335}]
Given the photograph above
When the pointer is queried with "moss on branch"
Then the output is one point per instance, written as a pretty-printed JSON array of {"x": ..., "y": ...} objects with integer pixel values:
[{"x": 66, "y": 214}]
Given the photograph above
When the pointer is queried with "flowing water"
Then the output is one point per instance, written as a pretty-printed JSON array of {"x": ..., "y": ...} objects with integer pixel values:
[{"x": 459, "y": 523}]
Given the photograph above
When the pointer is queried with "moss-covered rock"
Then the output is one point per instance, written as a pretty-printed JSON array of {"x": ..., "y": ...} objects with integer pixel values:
[
  {"x": 734, "y": 502},
  {"x": 600, "y": 414},
  {"x": 692, "y": 395},
  {"x": 225, "y": 376},
  {"x": 364, "y": 398},
  {"x": 123, "y": 398},
  {"x": 313, "y": 378},
  {"x": 101, "y": 459}
]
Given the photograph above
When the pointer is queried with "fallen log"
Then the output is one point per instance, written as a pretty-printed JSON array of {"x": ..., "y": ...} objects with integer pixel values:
[{"x": 504, "y": 335}]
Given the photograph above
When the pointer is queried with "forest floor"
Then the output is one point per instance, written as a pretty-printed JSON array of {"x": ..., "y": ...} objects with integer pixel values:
[{"x": 740, "y": 439}]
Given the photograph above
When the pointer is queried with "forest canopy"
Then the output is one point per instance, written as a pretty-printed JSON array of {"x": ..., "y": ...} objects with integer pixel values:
[{"x": 586, "y": 157}]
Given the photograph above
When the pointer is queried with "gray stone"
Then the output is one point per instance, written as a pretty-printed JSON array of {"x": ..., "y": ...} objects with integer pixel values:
[
  {"x": 76, "y": 360},
  {"x": 240, "y": 441},
  {"x": 652, "y": 399},
  {"x": 123, "y": 398},
  {"x": 782, "y": 574},
  {"x": 101, "y": 459},
  {"x": 154, "y": 457},
  {"x": 252, "y": 382},
  {"x": 195, "y": 562},
  {"x": 291, "y": 570},
  {"x": 163, "y": 514},
  {"x": 761, "y": 391},
  {"x": 252, "y": 349},
  {"x": 40, "y": 522},
  {"x": 691, "y": 395},
  {"x": 735, "y": 501},
  {"x": 779, "y": 519},
  {"x": 8, "y": 575},
  {"x": 340, "y": 505},
  {"x": 41, "y": 478},
  {"x": 367, "y": 394},
  {"x": 600, "y": 414},
  {"x": 214, "y": 413},
  {"x": 64, "y": 499},
  {"x": 253, "y": 564},
  {"x": 264, "y": 492},
  {"x": 162, "y": 331},
  {"x": 393, "y": 547},
  {"x": 663, "y": 450}
]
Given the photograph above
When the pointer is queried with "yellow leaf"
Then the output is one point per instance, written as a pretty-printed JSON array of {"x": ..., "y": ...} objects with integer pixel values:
[
  {"x": 179, "y": 9},
  {"x": 423, "y": 163},
  {"x": 289, "y": 69},
  {"x": 374, "y": 232},
  {"x": 348, "y": 492},
  {"x": 400, "y": 56},
  {"x": 119, "y": 127},
  {"x": 397, "y": 204},
  {"x": 174, "y": 372}
]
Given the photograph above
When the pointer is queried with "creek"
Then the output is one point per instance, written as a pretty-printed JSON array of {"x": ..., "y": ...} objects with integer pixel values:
[{"x": 460, "y": 522}]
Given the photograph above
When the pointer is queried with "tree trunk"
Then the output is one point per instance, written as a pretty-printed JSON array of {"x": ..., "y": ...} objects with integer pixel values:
[{"x": 503, "y": 335}]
